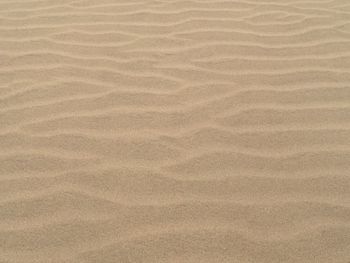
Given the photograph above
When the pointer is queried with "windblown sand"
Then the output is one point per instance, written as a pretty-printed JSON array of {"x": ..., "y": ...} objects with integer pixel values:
[{"x": 175, "y": 131}]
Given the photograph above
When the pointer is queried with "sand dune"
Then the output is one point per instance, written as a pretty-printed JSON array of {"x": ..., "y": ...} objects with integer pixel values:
[{"x": 175, "y": 131}]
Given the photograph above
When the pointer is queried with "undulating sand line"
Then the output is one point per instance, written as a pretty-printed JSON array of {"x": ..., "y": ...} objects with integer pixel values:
[{"x": 139, "y": 131}]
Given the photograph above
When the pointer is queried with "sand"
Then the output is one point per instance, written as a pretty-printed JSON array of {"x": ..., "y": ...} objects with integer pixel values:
[{"x": 175, "y": 131}]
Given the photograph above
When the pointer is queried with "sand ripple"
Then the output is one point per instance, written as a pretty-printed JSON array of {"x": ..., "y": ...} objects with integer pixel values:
[{"x": 174, "y": 131}]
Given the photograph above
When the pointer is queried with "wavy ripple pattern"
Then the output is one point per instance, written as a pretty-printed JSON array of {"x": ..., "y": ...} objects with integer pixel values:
[{"x": 174, "y": 131}]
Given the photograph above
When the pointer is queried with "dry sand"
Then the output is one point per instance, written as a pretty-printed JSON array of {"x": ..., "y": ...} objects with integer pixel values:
[{"x": 163, "y": 131}]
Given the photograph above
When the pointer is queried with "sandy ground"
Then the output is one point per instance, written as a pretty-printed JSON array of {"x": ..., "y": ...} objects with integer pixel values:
[{"x": 175, "y": 131}]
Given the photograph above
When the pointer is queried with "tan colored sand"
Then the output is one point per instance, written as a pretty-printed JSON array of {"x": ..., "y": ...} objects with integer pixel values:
[{"x": 163, "y": 131}]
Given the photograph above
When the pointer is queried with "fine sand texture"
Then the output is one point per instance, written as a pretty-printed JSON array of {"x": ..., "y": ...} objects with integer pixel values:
[{"x": 174, "y": 131}]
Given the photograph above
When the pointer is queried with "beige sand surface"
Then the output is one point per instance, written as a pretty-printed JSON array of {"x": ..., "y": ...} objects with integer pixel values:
[{"x": 174, "y": 131}]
